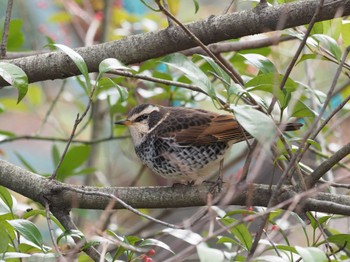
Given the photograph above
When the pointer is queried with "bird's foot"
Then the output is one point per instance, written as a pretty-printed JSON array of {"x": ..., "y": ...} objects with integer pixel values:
[
  {"x": 179, "y": 184},
  {"x": 215, "y": 186}
]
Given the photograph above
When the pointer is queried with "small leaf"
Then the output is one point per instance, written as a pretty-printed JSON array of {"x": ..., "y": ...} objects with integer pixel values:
[
  {"x": 315, "y": 144},
  {"x": 28, "y": 230},
  {"x": 15, "y": 35},
  {"x": 110, "y": 64},
  {"x": 259, "y": 125},
  {"x": 271, "y": 258},
  {"x": 6, "y": 197},
  {"x": 7, "y": 134},
  {"x": 184, "y": 234},
  {"x": 155, "y": 242},
  {"x": 330, "y": 44},
  {"x": 36, "y": 212},
  {"x": 196, "y": 6},
  {"x": 339, "y": 239},
  {"x": 78, "y": 61},
  {"x": 16, "y": 77},
  {"x": 300, "y": 110},
  {"x": 4, "y": 240},
  {"x": 345, "y": 32},
  {"x": 70, "y": 233},
  {"x": 74, "y": 158},
  {"x": 240, "y": 231},
  {"x": 311, "y": 254},
  {"x": 217, "y": 69},
  {"x": 260, "y": 62},
  {"x": 12, "y": 255},
  {"x": 191, "y": 71},
  {"x": 207, "y": 254},
  {"x": 55, "y": 155}
]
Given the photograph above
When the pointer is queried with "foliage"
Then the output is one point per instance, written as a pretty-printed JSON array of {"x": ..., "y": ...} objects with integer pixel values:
[{"x": 263, "y": 70}]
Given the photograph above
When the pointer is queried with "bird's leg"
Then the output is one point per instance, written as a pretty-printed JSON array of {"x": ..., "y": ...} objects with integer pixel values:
[{"x": 217, "y": 185}]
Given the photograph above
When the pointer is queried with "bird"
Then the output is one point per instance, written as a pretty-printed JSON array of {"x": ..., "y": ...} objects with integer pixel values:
[{"x": 181, "y": 143}]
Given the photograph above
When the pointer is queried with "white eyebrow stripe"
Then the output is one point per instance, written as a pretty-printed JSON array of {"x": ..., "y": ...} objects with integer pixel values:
[
  {"x": 147, "y": 110},
  {"x": 159, "y": 122}
]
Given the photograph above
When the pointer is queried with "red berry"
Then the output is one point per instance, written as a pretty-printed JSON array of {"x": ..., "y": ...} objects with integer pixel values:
[
  {"x": 151, "y": 252},
  {"x": 275, "y": 227}
]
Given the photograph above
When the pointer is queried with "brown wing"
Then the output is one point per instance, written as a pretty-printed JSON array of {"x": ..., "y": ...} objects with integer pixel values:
[{"x": 203, "y": 127}]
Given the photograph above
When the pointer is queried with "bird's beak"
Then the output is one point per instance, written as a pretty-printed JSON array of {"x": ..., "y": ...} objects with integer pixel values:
[{"x": 123, "y": 122}]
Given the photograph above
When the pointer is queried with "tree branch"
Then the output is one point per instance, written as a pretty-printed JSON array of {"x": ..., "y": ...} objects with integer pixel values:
[
  {"x": 138, "y": 48},
  {"x": 327, "y": 165},
  {"x": 63, "y": 197}
]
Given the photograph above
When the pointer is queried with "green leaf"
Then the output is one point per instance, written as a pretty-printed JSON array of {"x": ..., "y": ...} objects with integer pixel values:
[
  {"x": 109, "y": 89},
  {"x": 6, "y": 197},
  {"x": 339, "y": 239},
  {"x": 55, "y": 154},
  {"x": 311, "y": 254},
  {"x": 35, "y": 95},
  {"x": 78, "y": 61},
  {"x": 70, "y": 233},
  {"x": 207, "y": 254},
  {"x": 28, "y": 230},
  {"x": 36, "y": 212},
  {"x": 217, "y": 69},
  {"x": 12, "y": 255},
  {"x": 184, "y": 234},
  {"x": 16, "y": 77},
  {"x": 191, "y": 71},
  {"x": 60, "y": 17},
  {"x": 259, "y": 125},
  {"x": 345, "y": 32},
  {"x": 314, "y": 143},
  {"x": 7, "y": 134},
  {"x": 110, "y": 64},
  {"x": 196, "y": 6},
  {"x": 155, "y": 242},
  {"x": 222, "y": 240},
  {"x": 4, "y": 239},
  {"x": 270, "y": 258},
  {"x": 15, "y": 37},
  {"x": 260, "y": 62},
  {"x": 330, "y": 44},
  {"x": 300, "y": 110},
  {"x": 74, "y": 158},
  {"x": 240, "y": 231}
]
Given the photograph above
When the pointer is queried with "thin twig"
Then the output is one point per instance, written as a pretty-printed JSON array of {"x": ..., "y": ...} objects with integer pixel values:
[
  {"x": 52, "y": 235},
  {"x": 198, "y": 41},
  {"x": 62, "y": 140},
  {"x": 291, "y": 163},
  {"x": 54, "y": 174},
  {"x": 5, "y": 33},
  {"x": 128, "y": 207},
  {"x": 52, "y": 106},
  {"x": 298, "y": 52}
]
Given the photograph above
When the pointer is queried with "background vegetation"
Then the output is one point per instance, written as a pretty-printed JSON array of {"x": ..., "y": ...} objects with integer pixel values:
[{"x": 71, "y": 186}]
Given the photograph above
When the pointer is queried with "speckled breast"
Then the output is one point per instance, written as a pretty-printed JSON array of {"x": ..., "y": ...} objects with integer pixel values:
[{"x": 169, "y": 159}]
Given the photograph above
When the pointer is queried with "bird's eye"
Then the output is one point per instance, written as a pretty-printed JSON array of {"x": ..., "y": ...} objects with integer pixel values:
[{"x": 141, "y": 118}]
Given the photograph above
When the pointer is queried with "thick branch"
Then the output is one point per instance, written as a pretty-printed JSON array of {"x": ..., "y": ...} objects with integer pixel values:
[
  {"x": 61, "y": 197},
  {"x": 138, "y": 48}
]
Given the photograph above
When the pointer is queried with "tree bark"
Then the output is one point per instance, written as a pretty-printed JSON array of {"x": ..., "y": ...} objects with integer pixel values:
[{"x": 139, "y": 48}]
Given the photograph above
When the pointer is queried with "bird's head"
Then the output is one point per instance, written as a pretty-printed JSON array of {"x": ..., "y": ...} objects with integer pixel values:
[{"x": 142, "y": 120}]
